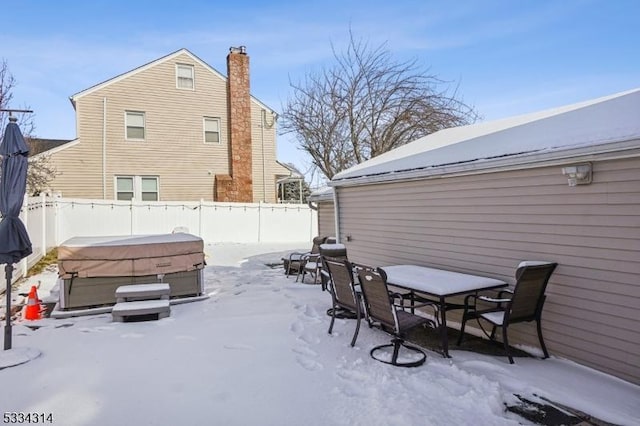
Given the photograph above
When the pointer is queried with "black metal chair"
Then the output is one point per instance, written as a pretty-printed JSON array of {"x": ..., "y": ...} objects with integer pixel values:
[
  {"x": 381, "y": 309},
  {"x": 310, "y": 262},
  {"x": 524, "y": 304},
  {"x": 343, "y": 293},
  {"x": 294, "y": 263},
  {"x": 333, "y": 251}
]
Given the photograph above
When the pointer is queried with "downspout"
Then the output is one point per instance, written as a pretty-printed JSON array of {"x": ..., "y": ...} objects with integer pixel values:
[
  {"x": 313, "y": 208},
  {"x": 104, "y": 148},
  {"x": 336, "y": 213},
  {"x": 263, "y": 117}
]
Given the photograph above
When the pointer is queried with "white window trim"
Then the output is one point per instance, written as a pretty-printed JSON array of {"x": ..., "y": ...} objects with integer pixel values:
[
  {"x": 115, "y": 185},
  {"x": 193, "y": 76},
  {"x": 137, "y": 185},
  {"x": 204, "y": 130},
  {"x": 144, "y": 127}
]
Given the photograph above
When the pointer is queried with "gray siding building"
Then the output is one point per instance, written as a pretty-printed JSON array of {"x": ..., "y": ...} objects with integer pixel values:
[{"x": 561, "y": 185}]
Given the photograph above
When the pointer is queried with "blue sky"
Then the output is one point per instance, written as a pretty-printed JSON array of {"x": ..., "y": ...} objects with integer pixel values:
[{"x": 508, "y": 57}]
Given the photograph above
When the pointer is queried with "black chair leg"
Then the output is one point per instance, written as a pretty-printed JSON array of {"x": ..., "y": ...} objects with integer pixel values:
[
  {"x": 355, "y": 335},
  {"x": 542, "y": 345},
  {"x": 493, "y": 333},
  {"x": 333, "y": 318},
  {"x": 505, "y": 341},
  {"x": 396, "y": 351},
  {"x": 464, "y": 322}
]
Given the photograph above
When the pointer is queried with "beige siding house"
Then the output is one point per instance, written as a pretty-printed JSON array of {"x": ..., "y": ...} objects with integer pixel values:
[
  {"x": 322, "y": 201},
  {"x": 162, "y": 132},
  {"x": 482, "y": 198}
]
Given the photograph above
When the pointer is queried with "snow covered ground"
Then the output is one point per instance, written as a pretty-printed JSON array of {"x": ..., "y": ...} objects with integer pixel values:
[{"x": 257, "y": 352}]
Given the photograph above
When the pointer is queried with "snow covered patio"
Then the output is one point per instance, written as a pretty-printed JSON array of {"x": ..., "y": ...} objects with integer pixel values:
[{"x": 257, "y": 352}]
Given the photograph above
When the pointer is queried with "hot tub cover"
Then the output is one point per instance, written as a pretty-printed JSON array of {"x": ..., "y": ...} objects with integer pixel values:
[{"x": 130, "y": 255}]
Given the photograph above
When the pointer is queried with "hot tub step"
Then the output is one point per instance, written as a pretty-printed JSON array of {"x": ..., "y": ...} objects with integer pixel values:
[
  {"x": 128, "y": 293},
  {"x": 141, "y": 310}
]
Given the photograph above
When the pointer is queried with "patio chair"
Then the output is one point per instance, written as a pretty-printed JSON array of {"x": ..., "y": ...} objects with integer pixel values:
[
  {"x": 333, "y": 251},
  {"x": 382, "y": 307},
  {"x": 310, "y": 262},
  {"x": 294, "y": 262},
  {"x": 343, "y": 292},
  {"x": 524, "y": 304}
]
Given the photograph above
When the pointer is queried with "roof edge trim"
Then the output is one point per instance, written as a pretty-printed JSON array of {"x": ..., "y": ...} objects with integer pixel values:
[{"x": 617, "y": 149}]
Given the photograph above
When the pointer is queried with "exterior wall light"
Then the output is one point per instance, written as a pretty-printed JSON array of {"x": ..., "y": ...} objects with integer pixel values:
[{"x": 579, "y": 174}]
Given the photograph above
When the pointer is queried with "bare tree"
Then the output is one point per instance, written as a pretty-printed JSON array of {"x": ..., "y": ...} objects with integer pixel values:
[
  {"x": 40, "y": 171},
  {"x": 367, "y": 104},
  {"x": 7, "y": 84}
]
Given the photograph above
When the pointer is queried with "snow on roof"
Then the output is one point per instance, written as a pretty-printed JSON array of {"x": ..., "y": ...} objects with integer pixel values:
[
  {"x": 322, "y": 194},
  {"x": 600, "y": 121}
]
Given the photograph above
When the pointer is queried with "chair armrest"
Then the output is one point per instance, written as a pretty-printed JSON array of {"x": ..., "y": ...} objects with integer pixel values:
[
  {"x": 470, "y": 300},
  {"x": 492, "y": 299},
  {"x": 297, "y": 256},
  {"x": 505, "y": 291},
  {"x": 422, "y": 305},
  {"x": 397, "y": 299},
  {"x": 310, "y": 257},
  {"x": 421, "y": 301}
]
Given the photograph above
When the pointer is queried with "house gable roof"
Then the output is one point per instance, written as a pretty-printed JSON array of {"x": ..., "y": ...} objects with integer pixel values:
[
  {"x": 522, "y": 139},
  {"x": 287, "y": 170},
  {"x": 39, "y": 145},
  {"x": 169, "y": 57}
]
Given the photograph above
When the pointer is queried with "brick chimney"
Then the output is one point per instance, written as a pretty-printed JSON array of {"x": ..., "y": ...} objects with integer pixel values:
[{"x": 238, "y": 185}]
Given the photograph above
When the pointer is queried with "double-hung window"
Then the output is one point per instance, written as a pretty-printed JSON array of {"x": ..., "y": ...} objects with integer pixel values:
[
  {"x": 149, "y": 188},
  {"x": 124, "y": 188},
  {"x": 184, "y": 76},
  {"x": 144, "y": 188},
  {"x": 135, "y": 123},
  {"x": 211, "y": 130}
]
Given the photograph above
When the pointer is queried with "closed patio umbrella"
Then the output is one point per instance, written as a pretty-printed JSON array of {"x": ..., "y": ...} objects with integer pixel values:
[{"x": 14, "y": 239}]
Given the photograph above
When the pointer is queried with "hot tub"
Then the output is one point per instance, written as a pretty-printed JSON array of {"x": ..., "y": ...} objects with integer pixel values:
[{"x": 91, "y": 268}]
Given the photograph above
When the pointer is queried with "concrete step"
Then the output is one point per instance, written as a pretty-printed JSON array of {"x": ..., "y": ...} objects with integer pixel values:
[
  {"x": 141, "y": 310},
  {"x": 127, "y": 293}
]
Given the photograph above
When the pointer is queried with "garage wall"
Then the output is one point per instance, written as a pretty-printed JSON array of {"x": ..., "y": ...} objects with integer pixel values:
[{"x": 487, "y": 223}]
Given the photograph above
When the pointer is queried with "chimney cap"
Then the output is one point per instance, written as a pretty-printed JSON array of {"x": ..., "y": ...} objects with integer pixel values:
[{"x": 241, "y": 49}]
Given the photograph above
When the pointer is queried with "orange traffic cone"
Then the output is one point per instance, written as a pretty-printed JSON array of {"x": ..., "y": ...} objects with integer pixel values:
[{"x": 32, "y": 311}]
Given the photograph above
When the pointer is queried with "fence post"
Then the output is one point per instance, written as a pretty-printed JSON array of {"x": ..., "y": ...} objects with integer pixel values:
[
  {"x": 56, "y": 220},
  {"x": 200, "y": 217},
  {"x": 131, "y": 217},
  {"x": 260, "y": 221},
  {"x": 43, "y": 203}
]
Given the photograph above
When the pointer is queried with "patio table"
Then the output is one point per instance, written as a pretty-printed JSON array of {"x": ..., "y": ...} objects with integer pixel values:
[{"x": 439, "y": 284}]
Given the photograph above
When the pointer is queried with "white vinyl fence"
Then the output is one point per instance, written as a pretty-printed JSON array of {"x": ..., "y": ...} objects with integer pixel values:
[{"x": 51, "y": 221}]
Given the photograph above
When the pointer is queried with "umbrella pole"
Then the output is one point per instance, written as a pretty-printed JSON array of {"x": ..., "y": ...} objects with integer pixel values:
[{"x": 7, "y": 328}]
